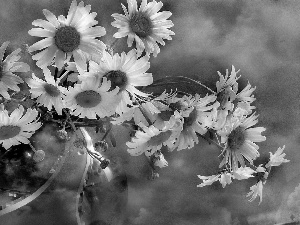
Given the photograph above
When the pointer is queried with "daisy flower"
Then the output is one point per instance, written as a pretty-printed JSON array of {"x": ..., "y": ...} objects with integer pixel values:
[
  {"x": 256, "y": 191},
  {"x": 65, "y": 37},
  {"x": 151, "y": 139},
  {"x": 243, "y": 173},
  {"x": 196, "y": 120},
  {"x": 169, "y": 106},
  {"x": 89, "y": 99},
  {"x": 223, "y": 177},
  {"x": 157, "y": 158},
  {"x": 227, "y": 88},
  {"x": 125, "y": 71},
  {"x": 16, "y": 128},
  {"x": 138, "y": 113},
  {"x": 245, "y": 98},
  {"x": 208, "y": 180},
  {"x": 278, "y": 158},
  {"x": 8, "y": 80},
  {"x": 145, "y": 25},
  {"x": 48, "y": 93},
  {"x": 239, "y": 137}
]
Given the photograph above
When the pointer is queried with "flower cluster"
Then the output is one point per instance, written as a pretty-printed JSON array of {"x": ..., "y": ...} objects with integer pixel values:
[{"x": 82, "y": 83}]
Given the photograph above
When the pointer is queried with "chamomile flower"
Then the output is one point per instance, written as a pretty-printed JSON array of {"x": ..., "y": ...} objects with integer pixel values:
[
  {"x": 227, "y": 88},
  {"x": 145, "y": 25},
  {"x": 48, "y": 93},
  {"x": 223, "y": 177},
  {"x": 245, "y": 98},
  {"x": 243, "y": 173},
  {"x": 157, "y": 158},
  {"x": 208, "y": 180},
  {"x": 196, "y": 120},
  {"x": 278, "y": 158},
  {"x": 8, "y": 66},
  {"x": 239, "y": 137},
  {"x": 256, "y": 191},
  {"x": 138, "y": 113},
  {"x": 65, "y": 37},
  {"x": 16, "y": 128},
  {"x": 89, "y": 99},
  {"x": 169, "y": 107},
  {"x": 125, "y": 71},
  {"x": 150, "y": 139}
]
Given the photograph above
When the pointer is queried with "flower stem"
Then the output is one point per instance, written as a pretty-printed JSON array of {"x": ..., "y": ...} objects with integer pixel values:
[{"x": 71, "y": 122}]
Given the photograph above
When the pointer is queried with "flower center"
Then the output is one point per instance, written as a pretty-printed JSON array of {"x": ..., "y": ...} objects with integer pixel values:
[
  {"x": 9, "y": 131},
  {"x": 141, "y": 25},
  {"x": 117, "y": 78},
  {"x": 88, "y": 99},
  {"x": 236, "y": 138},
  {"x": 176, "y": 106},
  {"x": 67, "y": 38},
  {"x": 160, "y": 138},
  {"x": 165, "y": 115},
  {"x": 188, "y": 121},
  {"x": 51, "y": 90}
]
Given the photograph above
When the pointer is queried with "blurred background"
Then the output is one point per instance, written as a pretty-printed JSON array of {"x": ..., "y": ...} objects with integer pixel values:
[{"x": 262, "y": 39}]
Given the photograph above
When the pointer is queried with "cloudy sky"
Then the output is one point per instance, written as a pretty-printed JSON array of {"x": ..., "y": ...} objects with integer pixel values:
[{"x": 262, "y": 39}]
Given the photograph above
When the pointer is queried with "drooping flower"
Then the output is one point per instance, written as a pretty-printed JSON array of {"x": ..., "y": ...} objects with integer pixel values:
[
  {"x": 16, "y": 128},
  {"x": 89, "y": 99},
  {"x": 125, "y": 71},
  {"x": 225, "y": 179},
  {"x": 278, "y": 158},
  {"x": 66, "y": 37},
  {"x": 8, "y": 66},
  {"x": 256, "y": 190},
  {"x": 239, "y": 137},
  {"x": 157, "y": 158},
  {"x": 145, "y": 25},
  {"x": 48, "y": 93}
]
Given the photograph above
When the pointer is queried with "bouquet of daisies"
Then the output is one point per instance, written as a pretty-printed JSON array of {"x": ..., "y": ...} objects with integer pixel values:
[{"x": 83, "y": 83}]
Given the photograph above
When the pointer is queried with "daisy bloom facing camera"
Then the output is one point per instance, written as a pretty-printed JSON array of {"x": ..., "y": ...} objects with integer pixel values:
[
  {"x": 89, "y": 99},
  {"x": 125, "y": 71},
  {"x": 145, "y": 25},
  {"x": 239, "y": 137},
  {"x": 65, "y": 37}
]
